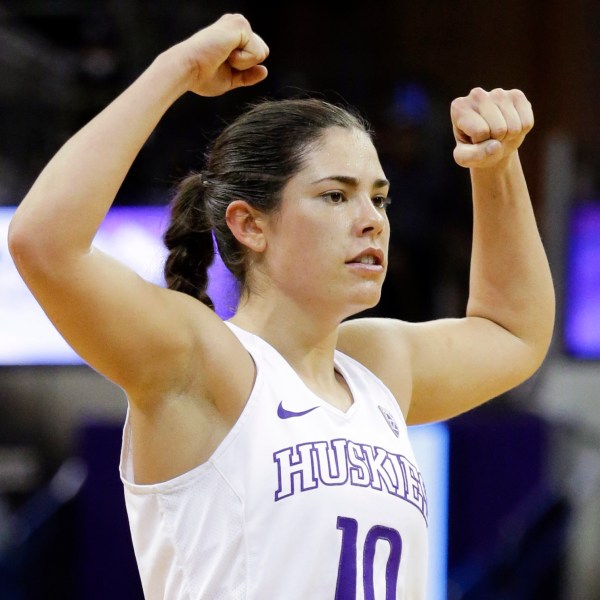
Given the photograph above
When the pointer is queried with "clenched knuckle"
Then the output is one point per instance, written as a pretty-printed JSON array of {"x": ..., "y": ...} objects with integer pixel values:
[
  {"x": 478, "y": 93},
  {"x": 499, "y": 131},
  {"x": 239, "y": 19},
  {"x": 457, "y": 104},
  {"x": 514, "y": 129}
]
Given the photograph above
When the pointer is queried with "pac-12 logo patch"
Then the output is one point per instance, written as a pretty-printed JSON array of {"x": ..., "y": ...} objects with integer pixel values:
[{"x": 387, "y": 415}]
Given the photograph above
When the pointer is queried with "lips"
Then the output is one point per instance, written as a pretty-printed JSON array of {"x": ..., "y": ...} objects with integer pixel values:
[{"x": 369, "y": 256}]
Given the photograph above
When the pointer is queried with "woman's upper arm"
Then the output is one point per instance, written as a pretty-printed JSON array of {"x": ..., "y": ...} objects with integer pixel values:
[
  {"x": 459, "y": 364},
  {"x": 452, "y": 364},
  {"x": 137, "y": 334}
]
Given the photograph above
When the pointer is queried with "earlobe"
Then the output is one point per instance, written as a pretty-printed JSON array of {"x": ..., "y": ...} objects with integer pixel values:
[{"x": 246, "y": 225}]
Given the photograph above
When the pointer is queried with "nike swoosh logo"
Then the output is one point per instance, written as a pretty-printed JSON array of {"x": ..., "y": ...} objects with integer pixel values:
[{"x": 282, "y": 413}]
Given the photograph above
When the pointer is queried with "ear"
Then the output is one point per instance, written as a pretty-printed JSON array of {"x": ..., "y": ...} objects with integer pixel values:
[{"x": 247, "y": 225}]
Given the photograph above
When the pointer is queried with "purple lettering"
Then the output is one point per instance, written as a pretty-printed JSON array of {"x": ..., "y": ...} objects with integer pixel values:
[
  {"x": 359, "y": 471},
  {"x": 295, "y": 466},
  {"x": 332, "y": 462}
]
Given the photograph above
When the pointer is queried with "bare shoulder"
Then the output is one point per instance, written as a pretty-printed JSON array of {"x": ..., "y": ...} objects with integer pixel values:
[
  {"x": 452, "y": 364},
  {"x": 182, "y": 415},
  {"x": 209, "y": 363},
  {"x": 383, "y": 346}
]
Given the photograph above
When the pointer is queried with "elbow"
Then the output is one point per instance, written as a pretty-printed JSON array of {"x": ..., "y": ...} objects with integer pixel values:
[
  {"x": 27, "y": 246},
  {"x": 19, "y": 242},
  {"x": 542, "y": 348},
  {"x": 544, "y": 333},
  {"x": 538, "y": 356},
  {"x": 537, "y": 350},
  {"x": 25, "y": 255}
]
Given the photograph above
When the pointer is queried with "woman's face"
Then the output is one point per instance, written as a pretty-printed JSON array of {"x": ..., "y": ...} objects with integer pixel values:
[{"x": 327, "y": 246}]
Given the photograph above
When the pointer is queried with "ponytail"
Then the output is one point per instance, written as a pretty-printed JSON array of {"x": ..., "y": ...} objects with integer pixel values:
[{"x": 189, "y": 241}]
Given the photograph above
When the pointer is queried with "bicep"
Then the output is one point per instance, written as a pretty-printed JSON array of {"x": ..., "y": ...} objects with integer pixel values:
[
  {"x": 123, "y": 326},
  {"x": 458, "y": 364},
  {"x": 439, "y": 369}
]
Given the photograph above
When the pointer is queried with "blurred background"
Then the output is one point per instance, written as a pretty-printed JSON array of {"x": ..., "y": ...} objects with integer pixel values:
[{"x": 524, "y": 491}]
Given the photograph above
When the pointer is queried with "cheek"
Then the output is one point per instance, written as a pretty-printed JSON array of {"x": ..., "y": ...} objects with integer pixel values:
[
  {"x": 386, "y": 233},
  {"x": 309, "y": 235},
  {"x": 387, "y": 237}
]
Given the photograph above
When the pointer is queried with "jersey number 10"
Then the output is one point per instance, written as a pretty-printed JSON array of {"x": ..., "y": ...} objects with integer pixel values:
[{"x": 346, "y": 580}]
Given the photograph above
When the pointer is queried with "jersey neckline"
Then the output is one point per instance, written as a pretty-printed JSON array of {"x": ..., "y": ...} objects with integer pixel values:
[{"x": 337, "y": 364}]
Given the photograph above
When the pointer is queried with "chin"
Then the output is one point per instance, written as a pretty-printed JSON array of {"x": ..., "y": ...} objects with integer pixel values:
[{"x": 364, "y": 302}]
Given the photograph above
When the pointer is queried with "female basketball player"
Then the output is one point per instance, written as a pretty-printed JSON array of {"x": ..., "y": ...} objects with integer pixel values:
[{"x": 267, "y": 457}]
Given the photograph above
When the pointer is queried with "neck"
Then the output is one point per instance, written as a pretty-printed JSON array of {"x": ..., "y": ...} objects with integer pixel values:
[{"x": 306, "y": 341}]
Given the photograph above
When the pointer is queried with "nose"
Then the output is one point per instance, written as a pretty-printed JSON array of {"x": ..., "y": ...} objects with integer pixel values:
[{"x": 370, "y": 220}]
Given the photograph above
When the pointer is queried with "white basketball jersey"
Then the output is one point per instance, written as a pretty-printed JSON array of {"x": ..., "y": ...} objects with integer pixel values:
[{"x": 300, "y": 501}]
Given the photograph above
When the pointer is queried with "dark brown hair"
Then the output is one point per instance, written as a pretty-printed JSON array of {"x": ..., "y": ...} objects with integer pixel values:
[{"x": 252, "y": 160}]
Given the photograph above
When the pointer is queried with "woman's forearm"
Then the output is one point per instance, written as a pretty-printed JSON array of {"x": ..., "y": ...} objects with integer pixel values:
[{"x": 510, "y": 281}]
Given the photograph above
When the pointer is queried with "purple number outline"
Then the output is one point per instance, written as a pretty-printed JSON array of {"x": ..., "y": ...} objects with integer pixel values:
[{"x": 346, "y": 580}]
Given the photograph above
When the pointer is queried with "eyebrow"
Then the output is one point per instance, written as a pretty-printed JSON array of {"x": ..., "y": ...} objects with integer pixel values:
[{"x": 352, "y": 181}]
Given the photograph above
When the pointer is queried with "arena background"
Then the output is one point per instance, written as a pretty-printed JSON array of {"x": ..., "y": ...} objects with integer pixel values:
[{"x": 524, "y": 493}]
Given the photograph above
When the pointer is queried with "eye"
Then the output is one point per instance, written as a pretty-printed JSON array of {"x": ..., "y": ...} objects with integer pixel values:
[
  {"x": 382, "y": 201},
  {"x": 335, "y": 197}
]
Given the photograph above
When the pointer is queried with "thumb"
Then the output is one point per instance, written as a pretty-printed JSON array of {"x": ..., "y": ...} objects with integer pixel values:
[
  {"x": 249, "y": 76},
  {"x": 473, "y": 155}
]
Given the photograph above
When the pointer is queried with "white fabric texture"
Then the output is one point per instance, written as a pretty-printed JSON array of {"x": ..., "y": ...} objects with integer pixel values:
[{"x": 300, "y": 500}]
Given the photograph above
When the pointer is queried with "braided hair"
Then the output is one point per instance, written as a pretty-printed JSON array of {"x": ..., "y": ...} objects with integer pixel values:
[{"x": 189, "y": 241}]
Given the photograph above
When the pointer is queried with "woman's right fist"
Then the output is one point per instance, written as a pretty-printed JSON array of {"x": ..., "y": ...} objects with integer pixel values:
[{"x": 223, "y": 56}]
